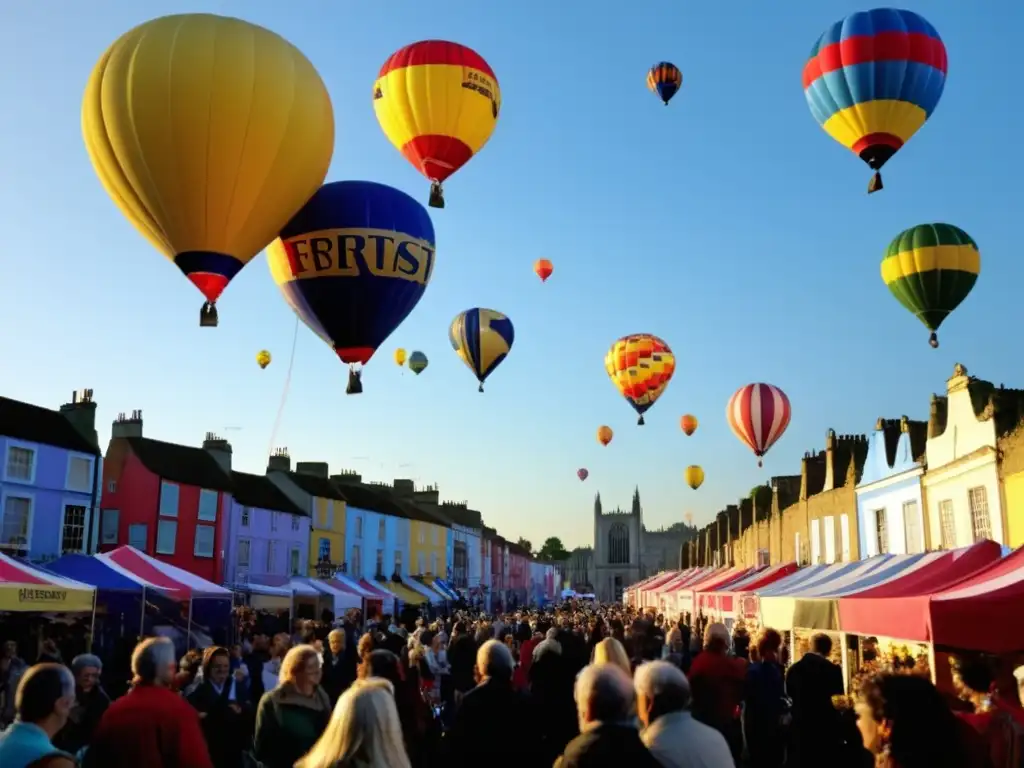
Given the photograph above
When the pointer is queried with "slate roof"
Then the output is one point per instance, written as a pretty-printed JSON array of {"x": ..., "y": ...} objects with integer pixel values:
[
  {"x": 34, "y": 424},
  {"x": 317, "y": 486},
  {"x": 257, "y": 491},
  {"x": 183, "y": 464},
  {"x": 371, "y": 499}
]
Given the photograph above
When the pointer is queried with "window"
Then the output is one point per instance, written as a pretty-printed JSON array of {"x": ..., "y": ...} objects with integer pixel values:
[
  {"x": 380, "y": 562},
  {"x": 359, "y": 526},
  {"x": 295, "y": 522},
  {"x": 243, "y": 553},
  {"x": 112, "y": 486},
  {"x": 138, "y": 536},
  {"x": 357, "y": 562},
  {"x": 422, "y": 534},
  {"x": 830, "y": 539},
  {"x": 763, "y": 558},
  {"x": 815, "y": 542},
  {"x": 17, "y": 522},
  {"x": 271, "y": 546},
  {"x": 168, "y": 501},
  {"x": 21, "y": 464},
  {"x": 433, "y": 532},
  {"x": 207, "y": 506},
  {"x": 844, "y": 537},
  {"x": 381, "y": 530},
  {"x": 166, "y": 537},
  {"x": 981, "y": 523},
  {"x": 72, "y": 536},
  {"x": 324, "y": 549},
  {"x": 398, "y": 562},
  {"x": 245, "y": 517},
  {"x": 109, "y": 519},
  {"x": 294, "y": 561},
  {"x": 204, "y": 541},
  {"x": 912, "y": 528},
  {"x": 881, "y": 532},
  {"x": 273, "y": 520},
  {"x": 420, "y": 570},
  {"x": 947, "y": 524},
  {"x": 79, "y": 474},
  {"x": 618, "y": 545},
  {"x": 433, "y": 563}
]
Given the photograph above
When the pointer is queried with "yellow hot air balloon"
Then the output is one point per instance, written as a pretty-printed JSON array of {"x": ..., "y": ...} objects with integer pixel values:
[
  {"x": 209, "y": 133},
  {"x": 694, "y": 476},
  {"x": 604, "y": 435},
  {"x": 399, "y": 356},
  {"x": 263, "y": 358}
]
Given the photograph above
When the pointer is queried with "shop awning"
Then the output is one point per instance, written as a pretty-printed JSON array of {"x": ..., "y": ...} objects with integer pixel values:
[
  {"x": 683, "y": 596},
  {"x": 406, "y": 594},
  {"x": 441, "y": 586},
  {"x": 737, "y": 599},
  {"x": 173, "y": 581},
  {"x": 96, "y": 573},
  {"x": 25, "y": 588},
  {"x": 429, "y": 595},
  {"x": 376, "y": 590},
  {"x": 705, "y": 593},
  {"x": 341, "y": 597}
]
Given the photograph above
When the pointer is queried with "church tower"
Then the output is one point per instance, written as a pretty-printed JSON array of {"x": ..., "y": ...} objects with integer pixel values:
[
  {"x": 636, "y": 510},
  {"x": 597, "y": 504}
]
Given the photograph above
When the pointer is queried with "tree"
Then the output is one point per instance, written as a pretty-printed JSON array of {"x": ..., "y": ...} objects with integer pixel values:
[
  {"x": 525, "y": 544},
  {"x": 553, "y": 549}
]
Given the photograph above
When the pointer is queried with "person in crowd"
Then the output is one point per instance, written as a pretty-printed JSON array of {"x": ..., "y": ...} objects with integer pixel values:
[
  {"x": 717, "y": 681},
  {"x": 91, "y": 701},
  {"x": 12, "y": 667},
  {"x": 669, "y": 731},
  {"x": 364, "y": 731},
  {"x": 765, "y": 707},
  {"x": 462, "y": 657},
  {"x": 551, "y": 702},
  {"x": 271, "y": 671},
  {"x": 151, "y": 725},
  {"x": 43, "y": 701},
  {"x": 994, "y": 723},
  {"x": 221, "y": 699},
  {"x": 435, "y": 661},
  {"x": 291, "y": 717},
  {"x": 741, "y": 643},
  {"x": 610, "y": 651},
  {"x": 49, "y": 653},
  {"x": 528, "y": 640},
  {"x": 339, "y": 669},
  {"x": 608, "y": 734},
  {"x": 254, "y": 661},
  {"x": 491, "y": 711},
  {"x": 811, "y": 683}
]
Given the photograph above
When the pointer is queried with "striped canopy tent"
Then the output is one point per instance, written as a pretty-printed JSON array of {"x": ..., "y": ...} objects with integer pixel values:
[
  {"x": 650, "y": 591},
  {"x": 631, "y": 594},
  {"x": 706, "y": 598},
  {"x": 406, "y": 594},
  {"x": 670, "y": 602},
  {"x": 423, "y": 582},
  {"x": 443, "y": 587},
  {"x": 737, "y": 600},
  {"x": 342, "y": 597},
  {"x": 24, "y": 588},
  {"x": 686, "y": 596},
  {"x": 431, "y": 596},
  {"x": 174, "y": 582}
]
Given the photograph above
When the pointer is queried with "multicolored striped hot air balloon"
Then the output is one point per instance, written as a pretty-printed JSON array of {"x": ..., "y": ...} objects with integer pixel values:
[
  {"x": 664, "y": 79},
  {"x": 758, "y": 415},
  {"x": 482, "y": 338},
  {"x": 438, "y": 103},
  {"x": 640, "y": 366},
  {"x": 930, "y": 269},
  {"x": 873, "y": 79},
  {"x": 604, "y": 435}
]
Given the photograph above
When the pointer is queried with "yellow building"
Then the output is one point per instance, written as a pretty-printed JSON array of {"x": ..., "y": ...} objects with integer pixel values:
[
  {"x": 428, "y": 548},
  {"x": 310, "y": 487}
]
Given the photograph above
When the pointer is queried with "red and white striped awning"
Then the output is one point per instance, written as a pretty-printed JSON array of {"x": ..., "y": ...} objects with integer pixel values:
[{"x": 155, "y": 574}]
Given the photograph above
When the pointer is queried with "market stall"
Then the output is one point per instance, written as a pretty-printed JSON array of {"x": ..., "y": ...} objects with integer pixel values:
[
  {"x": 24, "y": 588},
  {"x": 631, "y": 594},
  {"x": 662, "y": 598},
  {"x": 648, "y": 594},
  {"x": 340, "y": 596},
  {"x": 683, "y": 596},
  {"x": 704, "y": 593},
  {"x": 738, "y": 600}
]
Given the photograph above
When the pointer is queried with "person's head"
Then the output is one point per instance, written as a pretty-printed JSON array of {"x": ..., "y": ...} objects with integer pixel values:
[
  {"x": 301, "y": 668},
  {"x": 383, "y": 664},
  {"x": 280, "y": 645},
  {"x": 336, "y": 641},
  {"x": 821, "y": 644},
  {"x": 604, "y": 694},
  {"x": 661, "y": 688},
  {"x": 768, "y": 643},
  {"x": 973, "y": 678},
  {"x": 365, "y": 645},
  {"x": 494, "y": 662},
  {"x": 87, "y": 669},
  {"x": 45, "y": 696},
  {"x": 611, "y": 651},
  {"x": 9, "y": 649},
  {"x": 716, "y": 638},
  {"x": 153, "y": 662},
  {"x": 216, "y": 665}
]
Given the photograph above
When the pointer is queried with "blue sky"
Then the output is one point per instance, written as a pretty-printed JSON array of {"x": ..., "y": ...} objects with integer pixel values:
[{"x": 729, "y": 224}]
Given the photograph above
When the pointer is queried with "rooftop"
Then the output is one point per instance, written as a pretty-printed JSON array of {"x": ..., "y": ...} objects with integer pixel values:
[
  {"x": 35, "y": 424},
  {"x": 180, "y": 463}
]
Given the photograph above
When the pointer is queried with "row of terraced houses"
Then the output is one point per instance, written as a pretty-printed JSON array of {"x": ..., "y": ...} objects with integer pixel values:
[{"x": 188, "y": 506}]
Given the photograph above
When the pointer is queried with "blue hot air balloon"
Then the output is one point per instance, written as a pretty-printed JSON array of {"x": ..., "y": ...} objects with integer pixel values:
[
  {"x": 482, "y": 338},
  {"x": 352, "y": 264}
]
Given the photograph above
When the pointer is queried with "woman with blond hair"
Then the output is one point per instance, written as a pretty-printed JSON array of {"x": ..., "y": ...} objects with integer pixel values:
[
  {"x": 291, "y": 717},
  {"x": 611, "y": 651},
  {"x": 364, "y": 731}
]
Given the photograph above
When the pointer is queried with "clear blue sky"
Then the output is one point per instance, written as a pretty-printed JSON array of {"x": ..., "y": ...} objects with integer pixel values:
[{"x": 729, "y": 224}]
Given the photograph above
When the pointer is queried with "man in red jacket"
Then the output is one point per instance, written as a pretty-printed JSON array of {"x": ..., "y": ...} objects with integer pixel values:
[{"x": 151, "y": 726}]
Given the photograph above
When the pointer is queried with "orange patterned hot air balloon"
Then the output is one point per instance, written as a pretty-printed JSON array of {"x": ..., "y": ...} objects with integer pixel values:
[
  {"x": 438, "y": 103},
  {"x": 688, "y": 424},
  {"x": 604, "y": 435},
  {"x": 640, "y": 366},
  {"x": 543, "y": 268}
]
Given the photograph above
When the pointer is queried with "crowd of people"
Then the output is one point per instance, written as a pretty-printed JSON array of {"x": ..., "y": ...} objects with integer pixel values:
[{"x": 573, "y": 686}]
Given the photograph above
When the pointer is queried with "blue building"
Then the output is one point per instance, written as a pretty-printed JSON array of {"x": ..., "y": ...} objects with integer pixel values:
[
  {"x": 890, "y": 512},
  {"x": 376, "y": 535}
]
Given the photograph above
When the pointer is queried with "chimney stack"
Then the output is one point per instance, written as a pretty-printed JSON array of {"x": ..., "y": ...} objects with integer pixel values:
[
  {"x": 220, "y": 449},
  {"x": 81, "y": 412},
  {"x": 127, "y": 426},
  {"x": 313, "y": 468},
  {"x": 279, "y": 461}
]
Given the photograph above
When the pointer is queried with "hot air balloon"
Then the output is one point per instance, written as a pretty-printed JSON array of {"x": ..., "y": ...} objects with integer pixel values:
[
  {"x": 640, "y": 367},
  {"x": 417, "y": 362},
  {"x": 209, "y": 133},
  {"x": 263, "y": 358},
  {"x": 665, "y": 80},
  {"x": 543, "y": 268},
  {"x": 694, "y": 476},
  {"x": 399, "y": 357},
  {"x": 604, "y": 435},
  {"x": 688, "y": 424},
  {"x": 438, "y": 103},
  {"x": 582, "y": 473},
  {"x": 689, "y": 518},
  {"x": 930, "y": 269},
  {"x": 873, "y": 79},
  {"x": 352, "y": 264},
  {"x": 758, "y": 415},
  {"x": 482, "y": 338}
]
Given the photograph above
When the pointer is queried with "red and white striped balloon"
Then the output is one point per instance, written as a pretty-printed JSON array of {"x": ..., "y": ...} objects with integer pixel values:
[{"x": 758, "y": 415}]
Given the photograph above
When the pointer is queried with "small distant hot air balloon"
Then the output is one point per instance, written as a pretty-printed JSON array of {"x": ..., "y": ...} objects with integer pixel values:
[
  {"x": 582, "y": 473},
  {"x": 418, "y": 362},
  {"x": 604, "y": 435},
  {"x": 873, "y": 79},
  {"x": 399, "y": 357},
  {"x": 543, "y": 268},
  {"x": 688, "y": 423},
  {"x": 438, "y": 103},
  {"x": 482, "y": 338},
  {"x": 640, "y": 367},
  {"x": 758, "y": 415},
  {"x": 689, "y": 518},
  {"x": 209, "y": 133},
  {"x": 263, "y": 358},
  {"x": 694, "y": 476},
  {"x": 352, "y": 265},
  {"x": 665, "y": 80},
  {"x": 930, "y": 269}
]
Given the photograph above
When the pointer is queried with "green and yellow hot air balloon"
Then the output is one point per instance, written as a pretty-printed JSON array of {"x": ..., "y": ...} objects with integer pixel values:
[{"x": 930, "y": 269}]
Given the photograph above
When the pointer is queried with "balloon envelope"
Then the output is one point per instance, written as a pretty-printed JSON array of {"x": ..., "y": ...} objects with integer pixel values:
[
  {"x": 418, "y": 362},
  {"x": 482, "y": 338},
  {"x": 582, "y": 473},
  {"x": 604, "y": 435},
  {"x": 640, "y": 366},
  {"x": 263, "y": 358},
  {"x": 543, "y": 268},
  {"x": 665, "y": 80},
  {"x": 399, "y": 356},
  {"x": 758, "y": 415},
  {"x": 694, "y": 476},
  {"x": 353, "y": 263},
  {"x": 688, "y": 424}
]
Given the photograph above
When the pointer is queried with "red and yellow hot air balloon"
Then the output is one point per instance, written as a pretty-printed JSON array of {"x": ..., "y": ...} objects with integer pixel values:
[
  {"x": 543, "y": 268},
  {"x": 758, "y": 415},
  {"x": 688, "y": 424},
  {"x": 640, "y": 366},
  {"x": 438, "y": 103},
  {"x": 604, "y": 435}
]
